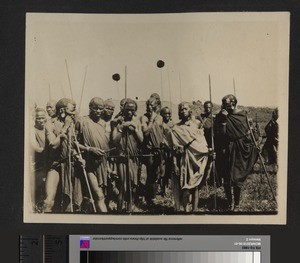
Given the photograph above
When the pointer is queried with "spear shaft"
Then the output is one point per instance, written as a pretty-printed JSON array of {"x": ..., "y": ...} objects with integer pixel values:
[
  {"x": 69, "y": 78},
  {"x": 82, "y": 89},
  {"x": 169, "y": 86},
  {"x": 261, "y": 159},
  {"x": 127, "y": 155},
  {"x": 125, "y": 82},
  {"x": 234, "y": 92},
  {"x": 213, "y": 146}
]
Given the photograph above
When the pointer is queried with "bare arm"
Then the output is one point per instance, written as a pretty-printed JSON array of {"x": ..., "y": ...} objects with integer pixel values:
[
  {"x": 82, "y": 145},
  {"x": 147, "y": 124},
  {"x": 54, "y": 141},
  {"x": 34, "y": 143},
  {"x": 79, "y": 136},
  {"x": 135, "y": 127},
  {"x": 139, "y": 133},
  {"x": 116, "y": 134}
]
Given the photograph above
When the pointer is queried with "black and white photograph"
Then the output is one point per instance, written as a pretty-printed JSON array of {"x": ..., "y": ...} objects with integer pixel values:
[{"x": 156, "y": 118}]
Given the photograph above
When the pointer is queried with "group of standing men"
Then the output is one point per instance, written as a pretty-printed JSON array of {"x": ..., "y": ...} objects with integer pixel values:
[{"x": 81, "y": 163}]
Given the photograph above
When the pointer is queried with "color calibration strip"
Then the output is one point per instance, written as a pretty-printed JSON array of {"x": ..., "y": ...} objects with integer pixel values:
[{"x": 168, "y": 257}]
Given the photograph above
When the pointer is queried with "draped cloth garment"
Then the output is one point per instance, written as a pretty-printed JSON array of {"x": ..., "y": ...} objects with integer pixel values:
[
  {"x": 70, "y": 183},
  {"x": 94, "y": 135},
  {"x": 194, "y": 162},
  {"x": 155, "y": 137},
  {"x": 242, "y": 152},
  {"x": 128, "y": 144}
]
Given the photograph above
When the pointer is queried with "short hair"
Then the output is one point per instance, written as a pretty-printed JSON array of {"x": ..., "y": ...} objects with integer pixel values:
[
  {"x": 39, "y": 110},
  {"x": 231, "y": 98},
  {"x": 63, "y": 103},
  {"x": 157, "y": 97},
  {"x": 184, "y": 103},
  {"x": 275, "y": 112},
  {"x": 51, "y": 102},
  {"x": 163, "y": 110},
  {"x": 207, "y": 102},
  {"x": 122, "y": 102},
  {"x": 130, "y": 101},
  {"x": 181, "y": 104},
  {"x": 152, "y": 99},
  {"x": 109, "y": 103},
  {"x": 96, "y": 101}
]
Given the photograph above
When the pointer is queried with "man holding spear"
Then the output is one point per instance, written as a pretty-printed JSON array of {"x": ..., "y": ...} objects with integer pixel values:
[
  {"x": 94, "y": 141},
  {"x": 235, "y": 150},
  {"x": 59, "y": 137},
  {"x": 127, "y": 136},
  {"x": 206, "y": 122}
]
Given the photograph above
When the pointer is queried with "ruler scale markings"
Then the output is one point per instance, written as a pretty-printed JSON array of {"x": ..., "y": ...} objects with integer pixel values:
[
  {"x": 56, "y": 249},
  {"x": 44, "y": 248},
  {"x": 30, "y": 249}
]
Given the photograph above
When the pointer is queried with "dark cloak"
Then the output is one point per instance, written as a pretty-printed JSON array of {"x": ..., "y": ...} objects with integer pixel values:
[{"x": 240, "y": 147}]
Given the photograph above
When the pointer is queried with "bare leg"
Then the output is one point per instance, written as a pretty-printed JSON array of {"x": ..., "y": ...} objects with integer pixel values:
[
  {"x": 196, "y": 199},
  {"x": 227, "y": 189},
  {"x": 236, "y": 194},
  {"x": 39, "y": 186},
  {"x": 163, "y": 176},
  {"x": 186, "y": 199},
  {"x": 98, "y": 193},
  {"x": 33, "y": 187},
  {"x": 121, "y": 186},
  {"x": 52, "y": 181},
  {"x": 176, "y": 191},
  {"x": 150, "y": 181}
]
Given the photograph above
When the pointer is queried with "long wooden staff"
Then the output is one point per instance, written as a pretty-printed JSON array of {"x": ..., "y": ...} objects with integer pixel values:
[
  {"x": 125, "y": 82},
  {"x": 83, "y": 84},
  {"x": 83, "y": 169},
  {"x": 70, "y": 170},
  {"x": 234, "y": 91},
  {"x": 180, "y": 88},
  {"x": 213, "y": 146},
  {"x": 261, "y": 159},
  {"x": 170, "y": 100},
  {"x": 160, "y": 64},
  {"x": 69, "y": 78},
  {"x": 127, "y": 154}
]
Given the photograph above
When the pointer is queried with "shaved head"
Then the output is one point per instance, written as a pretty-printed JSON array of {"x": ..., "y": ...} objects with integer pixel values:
[{"x": 96, "y": 102}]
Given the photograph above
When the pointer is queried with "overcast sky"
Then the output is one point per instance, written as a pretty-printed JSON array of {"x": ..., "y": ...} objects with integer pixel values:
[{"x": 251, "y": 48}]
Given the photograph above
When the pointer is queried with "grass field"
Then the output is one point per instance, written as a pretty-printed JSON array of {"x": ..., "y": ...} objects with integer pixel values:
[{"x": 256, "y": 194}]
